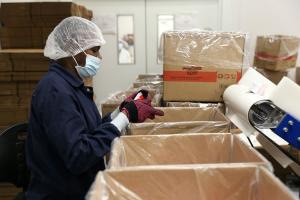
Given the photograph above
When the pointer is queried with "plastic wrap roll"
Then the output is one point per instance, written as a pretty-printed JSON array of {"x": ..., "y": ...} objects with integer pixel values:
[
  {"x": 239, "y": 100},
  {"x": 286, "y": 96}
]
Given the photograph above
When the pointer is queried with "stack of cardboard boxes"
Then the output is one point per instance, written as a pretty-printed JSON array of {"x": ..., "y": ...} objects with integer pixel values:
[
  {"x": 27, "y": 25},
  {"x": 23, "y": 34},
  {"x": 19, "y": 73},
  {"x": 276, "y": 56}
]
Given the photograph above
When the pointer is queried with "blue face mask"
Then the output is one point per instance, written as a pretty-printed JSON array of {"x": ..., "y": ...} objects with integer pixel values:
[{"x": 92, "y": 65}]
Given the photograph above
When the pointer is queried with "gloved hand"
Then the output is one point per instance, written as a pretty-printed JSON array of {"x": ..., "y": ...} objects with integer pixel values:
[
  {"x": 132, "y": 97},
  {"x": 140, "y": 110}
]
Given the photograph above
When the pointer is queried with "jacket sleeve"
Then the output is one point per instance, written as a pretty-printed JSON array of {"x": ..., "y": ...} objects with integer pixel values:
[
  {"x": 106, "y": 118},
  {"x": 65, "y": 128}
]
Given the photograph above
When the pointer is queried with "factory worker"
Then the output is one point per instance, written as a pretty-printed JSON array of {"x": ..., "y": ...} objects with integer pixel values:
[{"x": 67, "y": 138}]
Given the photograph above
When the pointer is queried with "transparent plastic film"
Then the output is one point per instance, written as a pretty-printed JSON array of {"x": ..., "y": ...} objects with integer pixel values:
[
  {"x": 189, "y": 182},
  {"x": 276, "y": 47},
  {"x": 276, "y": 52},
  {"x": 204, "y": 49},
  {"x": 182, "y": 120},
  {"x": 221, "y": 106},
  {"x": 193, "y": 148},
  {"x": 149, "y": 77}
]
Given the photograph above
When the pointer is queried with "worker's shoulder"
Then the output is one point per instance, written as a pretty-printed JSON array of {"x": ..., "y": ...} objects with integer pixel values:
[{"x": 52, "y": 82}]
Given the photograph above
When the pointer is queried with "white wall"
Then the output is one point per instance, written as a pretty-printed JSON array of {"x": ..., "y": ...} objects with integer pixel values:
[{"x": 261, "y": 17}]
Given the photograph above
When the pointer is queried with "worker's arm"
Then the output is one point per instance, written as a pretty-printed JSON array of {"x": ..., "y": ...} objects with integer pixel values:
[{"x": 78, "y": 147}]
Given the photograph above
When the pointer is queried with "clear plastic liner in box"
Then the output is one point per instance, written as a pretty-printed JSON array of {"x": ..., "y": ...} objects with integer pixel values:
[
  {"x": 205, "y": 182},
  {"x": 205, "y": 49},
  {"x": 182, "y": 120},
  {"x": 149, "y": 77},
  {"x": 193, "y": 148},
  {"x": 221, "y": 106},
  {"x": 155, "y": 84}
]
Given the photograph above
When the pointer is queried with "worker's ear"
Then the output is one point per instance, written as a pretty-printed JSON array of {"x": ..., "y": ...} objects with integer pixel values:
[{"x": 80, "y": 59}]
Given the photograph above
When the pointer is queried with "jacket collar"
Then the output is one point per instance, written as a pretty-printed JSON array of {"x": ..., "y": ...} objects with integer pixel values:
[{"x": 65, "y": 74}]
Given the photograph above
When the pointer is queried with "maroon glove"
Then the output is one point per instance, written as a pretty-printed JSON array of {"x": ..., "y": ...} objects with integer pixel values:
[
  {"x": 132, "y": 96},
  {"x": 140, "y": 110}
]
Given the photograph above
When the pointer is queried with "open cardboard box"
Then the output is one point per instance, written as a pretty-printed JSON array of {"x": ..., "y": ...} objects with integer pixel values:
[
  {"x": 189, "y": 182},
  {"x": 198, "y": 148},
  {"x": 182, "y": 120}
]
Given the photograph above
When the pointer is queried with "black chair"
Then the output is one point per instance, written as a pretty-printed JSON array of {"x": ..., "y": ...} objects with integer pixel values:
[{"x": 13, "y": 167}]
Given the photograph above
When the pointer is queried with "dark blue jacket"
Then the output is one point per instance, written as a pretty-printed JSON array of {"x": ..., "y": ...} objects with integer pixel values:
[{"x": 67, "y": 138}]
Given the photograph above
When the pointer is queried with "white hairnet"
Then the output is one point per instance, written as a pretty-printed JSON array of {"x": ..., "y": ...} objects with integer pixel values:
[{"x": 72, "y": 36}]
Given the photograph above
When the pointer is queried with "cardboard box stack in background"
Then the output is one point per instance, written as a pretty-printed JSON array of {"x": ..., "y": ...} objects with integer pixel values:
[
  {"x": 186, "y": 182},
  {"x": 198, "y": 66},
  {"x": 20, "y": 71},
  {"x": 275, "y": 55},
  {"x": 27, "y": 25}
]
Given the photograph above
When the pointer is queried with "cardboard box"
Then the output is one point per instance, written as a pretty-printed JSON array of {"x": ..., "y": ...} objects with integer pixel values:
[
  {"x": 5, "y": 63},
  {"x": 116, "y": 99},
  {"x": 5, "y": 76},
  {"x": 186, "y": 182},
  {"x": 183, "y": 120},
  {"x": 10, "y": 116},
  {"x": 198, "y": 148},
  {"x": 8, "y": 88},
  {"x": 26, "y": 88},
  {"x": 274, "y": 76},
  {"x": 16, "y": 21},
  {"x": 28, "y": 76},
  {"x": 198, "y": 66},
  {"x": 9, "y": 101},
  {"x": 294, "y": 74},
  {"x": 276, "y": 52}
]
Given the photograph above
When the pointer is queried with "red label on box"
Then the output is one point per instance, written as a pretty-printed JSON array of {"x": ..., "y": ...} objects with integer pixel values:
[
  {"x": 265, "y": 56},
  {"x": 190, "y": 76},
  {"x": 230, "y": 76}
]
